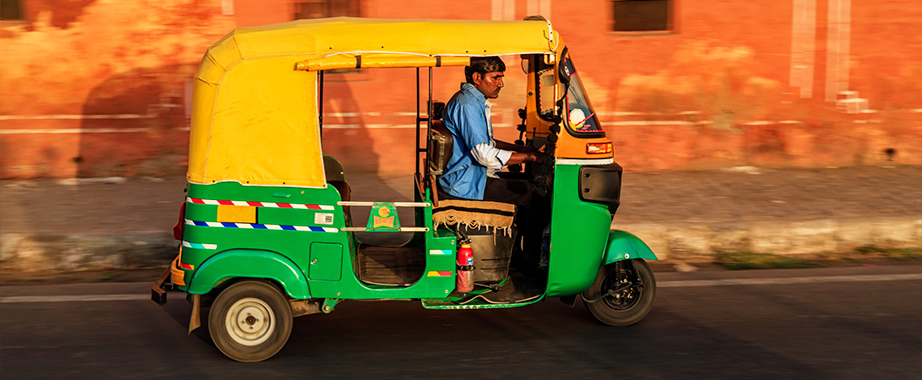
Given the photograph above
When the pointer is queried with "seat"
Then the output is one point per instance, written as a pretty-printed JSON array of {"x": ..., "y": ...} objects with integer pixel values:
[
  {"x": 440, "y": 147},
  {"x": 336, "y": 177},
  {"x": 437, "y": 156}
]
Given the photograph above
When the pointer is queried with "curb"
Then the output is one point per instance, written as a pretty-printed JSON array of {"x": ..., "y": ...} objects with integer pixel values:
[
  {"x": 79, "y": 252},
  {"x": 670, "y": 241},
  {"x": 681, "y": 241}
]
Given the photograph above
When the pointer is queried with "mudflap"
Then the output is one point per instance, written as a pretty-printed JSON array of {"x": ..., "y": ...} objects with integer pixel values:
[
  {"x": 195, "y": 319},
  {"x": 160, "y": 287}
]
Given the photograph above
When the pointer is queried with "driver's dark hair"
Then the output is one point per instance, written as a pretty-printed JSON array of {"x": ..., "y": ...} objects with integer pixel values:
[{"x": 483, "y": 66}]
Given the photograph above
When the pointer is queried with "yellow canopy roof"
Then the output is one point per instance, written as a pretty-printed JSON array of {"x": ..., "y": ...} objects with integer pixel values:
[{"x": 254, "y": 111}]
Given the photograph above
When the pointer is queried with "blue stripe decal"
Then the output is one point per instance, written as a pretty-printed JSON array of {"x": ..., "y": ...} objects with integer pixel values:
[
  {"x": 289, "y": 228},
  {"x": 259, "y": 226}
]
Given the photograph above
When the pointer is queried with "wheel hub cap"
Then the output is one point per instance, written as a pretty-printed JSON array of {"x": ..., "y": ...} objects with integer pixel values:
[{"x": 250, "y": 321}]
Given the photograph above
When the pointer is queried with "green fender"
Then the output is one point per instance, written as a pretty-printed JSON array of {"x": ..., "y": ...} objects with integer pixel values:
[
  {"x": 252, "y": 264},
  {"x": 625, "y": 246}
]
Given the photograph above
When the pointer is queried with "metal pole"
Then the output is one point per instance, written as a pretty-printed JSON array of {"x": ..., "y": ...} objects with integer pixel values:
[
  {"x": 320, "y": 107},
  {"x": 417, "y": 121}
]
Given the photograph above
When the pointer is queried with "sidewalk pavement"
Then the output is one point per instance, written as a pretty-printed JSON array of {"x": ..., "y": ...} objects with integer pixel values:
[{"x": 126, "y": 223}]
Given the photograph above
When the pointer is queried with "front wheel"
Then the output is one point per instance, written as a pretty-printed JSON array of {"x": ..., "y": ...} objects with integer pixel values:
[
  {"x": 622, "y": 293},
  {"x": 250, "y": 321}
]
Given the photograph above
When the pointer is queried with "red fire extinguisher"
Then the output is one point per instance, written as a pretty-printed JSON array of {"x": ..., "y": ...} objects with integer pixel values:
[{"x": 465, "y": 278}]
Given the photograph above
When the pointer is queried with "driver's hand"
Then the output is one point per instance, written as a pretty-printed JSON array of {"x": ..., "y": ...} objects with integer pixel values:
[
  {"x": 528, "y": 149},
  {"x": 539, "y": 156}
]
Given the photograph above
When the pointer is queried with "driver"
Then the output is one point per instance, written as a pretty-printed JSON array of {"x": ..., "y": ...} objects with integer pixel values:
[{"x": 476, "y": 156}]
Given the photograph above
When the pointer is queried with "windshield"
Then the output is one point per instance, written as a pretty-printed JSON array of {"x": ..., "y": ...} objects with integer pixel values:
[{"x": 583, "y": 122}]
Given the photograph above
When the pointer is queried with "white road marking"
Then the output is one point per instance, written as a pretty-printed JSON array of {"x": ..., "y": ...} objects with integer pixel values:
[
  {"x": 660, "y": 284},
  {"x": 788, "y": 280},
  {"x": 76, "y": 298}
]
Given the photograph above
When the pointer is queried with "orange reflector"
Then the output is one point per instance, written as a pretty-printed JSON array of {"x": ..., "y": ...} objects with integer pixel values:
[{"x": 599, "y": 148}]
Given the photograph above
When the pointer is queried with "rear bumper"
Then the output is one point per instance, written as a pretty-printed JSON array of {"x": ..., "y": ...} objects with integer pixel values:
[
  {"x": 172, "y": 276},
  {"x": 160, "y": 287}
]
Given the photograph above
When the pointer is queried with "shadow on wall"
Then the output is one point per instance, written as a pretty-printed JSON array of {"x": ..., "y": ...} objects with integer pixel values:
[
  {"x": 348, "y": 137},
  {"x": 350, "y": 142},
  {"x": 135, "y": 124},
  {"x": 62, "y": 12}
]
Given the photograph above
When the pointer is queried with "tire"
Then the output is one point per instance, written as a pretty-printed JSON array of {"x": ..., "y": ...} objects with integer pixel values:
[
  {"x": 628, "y": 306},
  {"x": 250, "y": 321}
]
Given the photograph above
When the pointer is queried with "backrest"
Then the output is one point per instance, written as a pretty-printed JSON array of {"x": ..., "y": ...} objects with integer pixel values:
[
  {"x": 336, "y": 177},
  {"x": 440, "y": 146},
  {"x": 333, "y": 170}
]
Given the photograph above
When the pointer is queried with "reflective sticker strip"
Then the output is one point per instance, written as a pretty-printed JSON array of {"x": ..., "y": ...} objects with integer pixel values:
[
  {"x": 255, "y": 226},
  {"x": 199, "y": 246},
  {"x": 439, "y": 273},
  {"x": 439, "y": 251},
  {"x": 258, "y": 204}
]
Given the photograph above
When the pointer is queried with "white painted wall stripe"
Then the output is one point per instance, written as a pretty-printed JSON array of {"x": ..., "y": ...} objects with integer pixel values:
[
  {"x": 539, "y": 7},
  {"x": 76, "y": 117},
  {"x": 803, "y": 46},
  {"x": 605, "y": 123},
  {"x": 72, "y": 130},
  {"x": 838, "y": 42},
  {"x": 502, "y": 9}
]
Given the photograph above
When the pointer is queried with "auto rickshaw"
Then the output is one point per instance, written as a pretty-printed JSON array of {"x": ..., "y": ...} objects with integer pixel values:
[{"x": 265, "y": 229}]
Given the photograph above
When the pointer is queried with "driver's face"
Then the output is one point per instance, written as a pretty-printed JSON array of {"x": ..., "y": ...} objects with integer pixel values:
[{"x": 489, "y": 84}]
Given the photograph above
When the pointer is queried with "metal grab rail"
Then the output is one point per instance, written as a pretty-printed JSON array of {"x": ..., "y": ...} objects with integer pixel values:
[
  {"x": 402, "y": 229},
  {"x": 371, "y": 204},
  {"x": 395, "y": 204}
]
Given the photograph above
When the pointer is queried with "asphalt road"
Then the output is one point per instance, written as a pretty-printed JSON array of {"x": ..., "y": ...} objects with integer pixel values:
[{"x": 838, "y": 323}]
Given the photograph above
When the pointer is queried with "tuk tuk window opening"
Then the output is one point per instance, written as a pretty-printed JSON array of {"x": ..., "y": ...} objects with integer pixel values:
[
  {"x": 428, "y": 118},
  {"x": 545, "y": 89}
]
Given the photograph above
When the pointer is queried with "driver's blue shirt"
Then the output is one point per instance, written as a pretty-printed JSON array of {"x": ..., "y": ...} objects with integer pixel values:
[{"x": 465, "y": 116}]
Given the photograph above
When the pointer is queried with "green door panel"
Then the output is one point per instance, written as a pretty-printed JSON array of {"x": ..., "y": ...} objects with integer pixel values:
[
  {"x": 625, "y": 246},
  {"x": 251, "y": 264},
  {"x": 579, "y": 231},
  {"x": 326, "y": 262}
]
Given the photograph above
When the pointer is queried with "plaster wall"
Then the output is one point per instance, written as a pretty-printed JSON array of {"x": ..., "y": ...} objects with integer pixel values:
[{"x": 100, "y": 88}]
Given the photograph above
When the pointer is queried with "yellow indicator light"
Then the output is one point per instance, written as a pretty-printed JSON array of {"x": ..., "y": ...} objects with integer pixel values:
[
  {"x": 176, "y": 274},
  {"x": 599, "y": 148}
]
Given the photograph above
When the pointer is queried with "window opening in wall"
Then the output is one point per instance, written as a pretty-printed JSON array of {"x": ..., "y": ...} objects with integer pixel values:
[
  {"x": 306, "y": 9},
  {"x": 642, "y": 15},
  {"x": 11, "y": 10}
]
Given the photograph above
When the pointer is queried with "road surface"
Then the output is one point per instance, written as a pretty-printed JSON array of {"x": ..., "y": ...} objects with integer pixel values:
[{"x": 839, "y": 323}]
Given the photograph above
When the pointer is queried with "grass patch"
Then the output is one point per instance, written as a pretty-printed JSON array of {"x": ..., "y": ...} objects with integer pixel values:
[
  {"x": 750, "y": 260},
  {"x": 891, "y": 253}
]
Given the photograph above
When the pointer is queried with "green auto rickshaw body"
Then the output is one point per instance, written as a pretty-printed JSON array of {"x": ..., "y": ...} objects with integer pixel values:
[{"x": 244, "y": 218}]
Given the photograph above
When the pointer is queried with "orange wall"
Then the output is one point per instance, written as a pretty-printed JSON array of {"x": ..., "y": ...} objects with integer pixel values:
[{"x": 91, "y": 88}]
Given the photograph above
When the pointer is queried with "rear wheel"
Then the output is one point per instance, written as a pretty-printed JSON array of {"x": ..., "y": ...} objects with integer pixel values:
[
  {"x": 250, "y": 321},
  {"x": 622, "y": 293}
]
